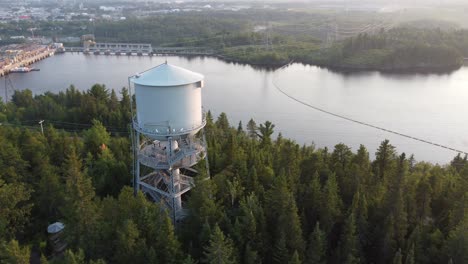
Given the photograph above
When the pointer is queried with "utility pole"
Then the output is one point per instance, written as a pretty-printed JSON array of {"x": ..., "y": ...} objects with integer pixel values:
[
  {"x": 42, "y": 128},
  {"x": 6, "y": 89}
]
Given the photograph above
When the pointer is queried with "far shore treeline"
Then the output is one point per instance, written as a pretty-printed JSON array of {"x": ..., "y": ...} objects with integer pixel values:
[
  {"x": 269, "y": 200},
  {"x": 427, "y": 46}
]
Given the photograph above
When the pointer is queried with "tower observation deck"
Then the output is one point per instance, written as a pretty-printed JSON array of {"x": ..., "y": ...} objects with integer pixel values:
[{"x": 168, "y": 134}]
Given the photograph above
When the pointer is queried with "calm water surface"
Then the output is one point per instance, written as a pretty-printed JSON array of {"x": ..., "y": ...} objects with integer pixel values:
[{"x": 433, "y": 107}]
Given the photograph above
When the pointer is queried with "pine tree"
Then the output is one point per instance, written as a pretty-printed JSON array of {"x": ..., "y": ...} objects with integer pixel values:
[
  {"x": 124, "y": 108},
  {"x": 252, "y": 222},
  {"x": 12, "y": 166},
  {"x": 349, "y": 243},
  {"x": 240, "y": 129},
  {"x": 398, "y": 257},
  {"x": 71, "y": 257},
  {"x": 43, "y": 259},
  {"x": 317, "y": 247},
  {"x": 250, "y": 255},
  {"x": 395, "y": 204},
  {"x": 96, "y": 138},
  {"x": 330, "y": 209},
  {"x": 312, "y": 201},
  {"x": 282, "y": 216},
  {"x": 280, "y": 252},
  {"x": 205, "y": 234},
  {"x": 220, "y": 249},
  {"x": 423, "y": 199},
  {"x": 359, "y": 208},
  {"x": 410, "y": 256},
  {"x": 235, "y": 190},
  {"x": 457, "y": 246},
  {"x": 50, "y": 195},
  {"x": 15, "y": 209},
  {"x": 189, "y": 260},
  {"x": 79, "y": 209},
  {"x": 252, "y": 183},
  {"x": 295, "y": 259},
  {"x": 266, "y": 130},
  {"x": 384, "y": 158},
  {"x": 389, "y": 244},
  {"x": 341, "y": 157},
  {"x": 126, "y": 243},
  {"x": 222, "y": 122},
  {"x": 13, "y": 253},
  {"x": 252, "y": 129},
  {"x": 113, "y": 101}
]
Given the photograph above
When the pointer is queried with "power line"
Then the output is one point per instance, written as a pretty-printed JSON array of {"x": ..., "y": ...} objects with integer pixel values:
[
  {"x": 357, "y": 121},
  {"x": 62, "y": 126}
]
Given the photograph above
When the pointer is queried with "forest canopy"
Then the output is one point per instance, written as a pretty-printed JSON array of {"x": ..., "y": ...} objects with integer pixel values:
[{"x": 269, "y": 199}]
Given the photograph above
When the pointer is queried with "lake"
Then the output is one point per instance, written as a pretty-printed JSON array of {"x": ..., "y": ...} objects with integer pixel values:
[{"x": 433, "y": 107}]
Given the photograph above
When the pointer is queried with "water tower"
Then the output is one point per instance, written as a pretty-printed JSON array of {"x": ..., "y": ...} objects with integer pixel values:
[{"x": 168, "y": 139}]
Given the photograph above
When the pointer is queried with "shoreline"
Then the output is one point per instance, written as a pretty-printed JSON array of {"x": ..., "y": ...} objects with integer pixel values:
[
  {"x": 350, "y": 70},
  {"x": 333, "y": 68}
]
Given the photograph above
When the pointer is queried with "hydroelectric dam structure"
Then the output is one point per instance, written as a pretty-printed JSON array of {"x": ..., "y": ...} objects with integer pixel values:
[{"x": 168, "y": 137}]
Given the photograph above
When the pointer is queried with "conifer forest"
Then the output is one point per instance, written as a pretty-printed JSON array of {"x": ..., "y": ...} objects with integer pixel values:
[{"x": 269, "y": 199}]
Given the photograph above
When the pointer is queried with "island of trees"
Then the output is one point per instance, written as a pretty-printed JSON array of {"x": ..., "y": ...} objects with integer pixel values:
[{"x": 269, "y": 200}]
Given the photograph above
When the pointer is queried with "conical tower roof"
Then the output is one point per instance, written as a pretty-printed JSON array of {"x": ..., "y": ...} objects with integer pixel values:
[{"x": 167, "y": 75}]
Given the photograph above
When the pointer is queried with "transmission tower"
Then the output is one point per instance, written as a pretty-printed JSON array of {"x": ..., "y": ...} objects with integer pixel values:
[{"x": 8, "y": 88}]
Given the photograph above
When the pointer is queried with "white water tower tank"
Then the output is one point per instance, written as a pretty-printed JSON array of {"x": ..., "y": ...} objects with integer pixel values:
[{"x": 168, "y": 101}]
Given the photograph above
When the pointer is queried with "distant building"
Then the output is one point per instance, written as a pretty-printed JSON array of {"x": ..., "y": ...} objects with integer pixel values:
[{"x": 68, "y": 39}]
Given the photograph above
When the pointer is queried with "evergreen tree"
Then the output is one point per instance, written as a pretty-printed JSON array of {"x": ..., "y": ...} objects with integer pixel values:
[
  {"x": 74, "y": 258},
  {"x": 220, "y": 249},
  {"x": 349, "y": 243},
  {"x": 79, "y": 210},
  {"x": 410, "y": 256},
  {"x": 389, "y": 244},
  {"x": 15, "y": 209},
  {"x": 252, "y": 223},
  {"x": 13, "y": 253},
  {"x": 330, "y": 209},
  {"x": 384, "y": 158},
  {"x": 423, "y": 199},
  {"x": 126, "y": 243},
  {"x": 295, "y": 259},
  {"x": 240, "y": 129},
  {"x": 282, "y": 217},
  {"x": 398, "y": 257},
  {"x": 125, "y": 106},
  {"x": 316, "y": 248},
  {"x": 189, "y": 260},
  {"x": 250, "y": 255},
  {"x": 359, "y": 208},
  {"x": 96, "y": 138},
  {"x": 50, "y": 195},
  {"x": 312, "y": 201},
  {"x": 235, "y": 190},
  {"x": 12, "y": 166},
  {"x": 253, "y": 195},
  {"x": 457, "y": 245},
  {"x": 252, "y": 129},
  {"x": 265, "y": 132},
  {"x": 222, "y": 122},
  {"x": 280, "y": 252}
]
